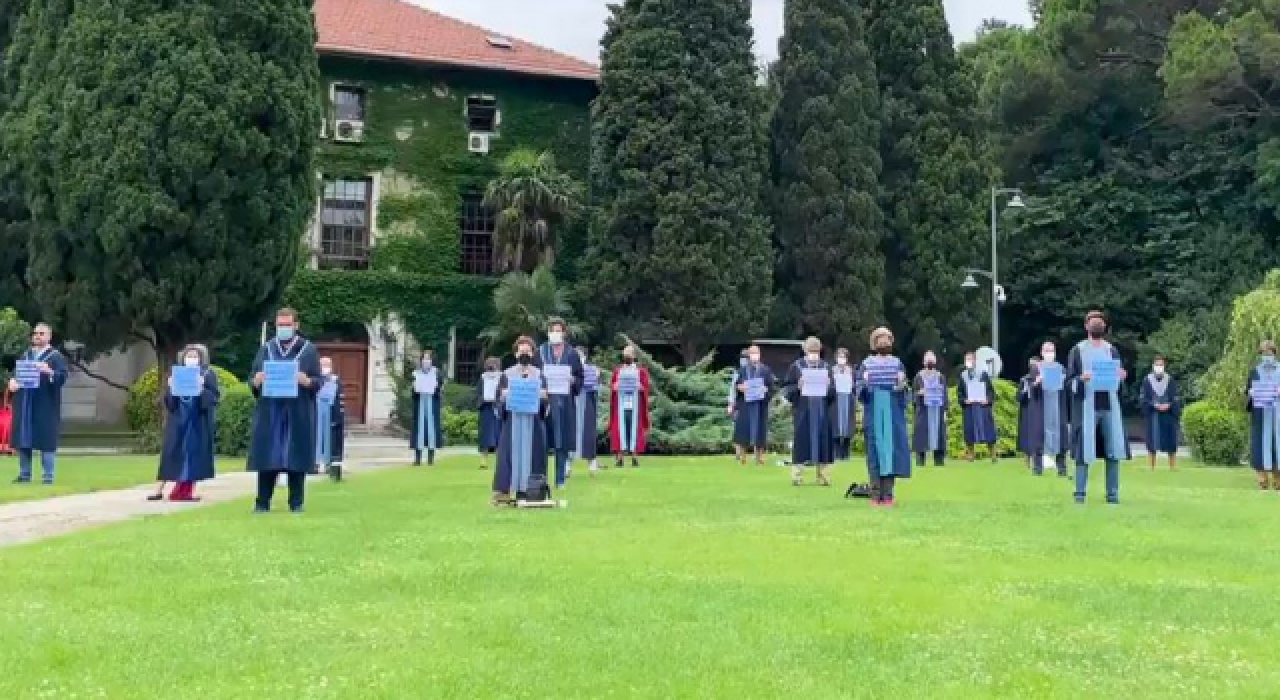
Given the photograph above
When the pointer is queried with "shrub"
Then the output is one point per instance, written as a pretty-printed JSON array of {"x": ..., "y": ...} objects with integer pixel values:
[
  {"x": 142, "y": 407},
  {"x": 459, "y": 397},
  {"x": 1254, "y": 317},
  {"x": 234, "y": 421},
  {"x": 461, "y": 428},
  {"x": 1216, "y": 434}
]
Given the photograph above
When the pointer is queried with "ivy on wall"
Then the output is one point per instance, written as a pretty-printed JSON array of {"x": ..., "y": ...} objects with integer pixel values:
[{"x": 415, "y": 136}]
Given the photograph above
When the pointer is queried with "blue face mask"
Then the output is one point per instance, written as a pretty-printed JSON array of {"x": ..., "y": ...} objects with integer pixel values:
[
  {"x": 1267, "y": 360},
  {"x": 284, "y": 333}
]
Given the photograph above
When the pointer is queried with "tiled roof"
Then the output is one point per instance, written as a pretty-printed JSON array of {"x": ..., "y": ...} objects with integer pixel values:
[{"x": 398, "y": 30}]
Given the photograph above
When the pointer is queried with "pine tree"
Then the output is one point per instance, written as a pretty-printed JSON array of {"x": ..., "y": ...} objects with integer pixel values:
[
  {"x": 825, "y": 135},
  {"x": 934, "y": 178},
  {"x": 165, "y": 151},
  {"x": 677, "y": 171}
]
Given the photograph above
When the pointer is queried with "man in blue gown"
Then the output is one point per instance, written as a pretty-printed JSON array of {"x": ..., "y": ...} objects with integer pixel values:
[
  {"x": 283, "y": 438},
  {"x": 37, "y": 411},
  {"x": 557, "y": 356}
]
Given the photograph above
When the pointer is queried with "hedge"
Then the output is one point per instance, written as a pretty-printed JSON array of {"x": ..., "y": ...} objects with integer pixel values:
[{"x": 1216, "y": 434}]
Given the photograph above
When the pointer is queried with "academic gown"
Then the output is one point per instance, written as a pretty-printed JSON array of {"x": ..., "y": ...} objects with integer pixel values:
[
  {"x": 522, "y": 447},
  {"x": 336, "y": 424},
  {"x": 811, "y": 441},
  {"x": 586, "y": 407},
  {"x": 979, "y": 420},
  {"x": 1080, "y": 394},
  {"x": 751, "y": 419},
  {"x": 884, "y": 425},
  {"x": 1161, "y": 426},
  {"x": 489, "y": 412},
  {"x": 920, "y": 429},
  {"x": 843, "y": 408},
  {"x": 432, "y": 424},
  {"x": 1259, "y": 418},
  {"x": 562, "y": 433},
  {"x": 639, "y": 412},
  {"x": 37, "y": 413},
  {"x": 187, "y": 451},
  {"x": 283, "y": 436},
  {"x": 1032, "y": 415}
]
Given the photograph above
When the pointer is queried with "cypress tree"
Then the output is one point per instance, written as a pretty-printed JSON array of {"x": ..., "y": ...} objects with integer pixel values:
[
  {"x": 934, "y": 178},
  {"x": 165, "y": 151},
  {"x": 679, "y": 239},
  {"x": 14, "y": 231},
  {"x": 825, "y": 159}
]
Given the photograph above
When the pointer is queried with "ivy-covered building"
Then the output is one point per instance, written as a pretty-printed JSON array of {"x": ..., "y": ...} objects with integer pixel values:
[{"x": 400, "y": 254}]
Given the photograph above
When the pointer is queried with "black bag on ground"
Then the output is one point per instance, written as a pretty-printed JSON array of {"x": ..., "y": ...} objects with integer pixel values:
[
  {"x": 538, "y": 489},
  {"x": 857, "y": 490}
]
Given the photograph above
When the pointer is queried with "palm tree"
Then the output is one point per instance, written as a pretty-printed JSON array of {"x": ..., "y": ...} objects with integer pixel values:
[
  {"x": 532, "y": 197},
  {"x": 523, "y": 305}
]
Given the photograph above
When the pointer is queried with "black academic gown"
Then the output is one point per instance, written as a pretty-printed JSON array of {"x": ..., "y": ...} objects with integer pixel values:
[
  {"x": 920, "y": 427},
  {"x": 1257, "y": 420},
  {"x": 747, "y": 415},
  {"x": 1161, "y": 426},
  {"x": 979, "y": 420},
  {"x": 1075, "y": 370},
  {"x": 811, "y": 441},
  {"x": 283, "y": 435},
  {"x": 508, "y": 450},
  {"x": 37, "y": 413},
  {"x": 1030, "y": 418},
  {"x": 562, "y": 422},
  {"x": 489, "y": 415},
  {"x": 187, "y": 451}
]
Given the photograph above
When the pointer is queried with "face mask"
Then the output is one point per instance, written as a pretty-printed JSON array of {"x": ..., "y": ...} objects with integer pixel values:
[
  {"x": 1268, "y": 360},
  {"x": 284, "y": 333},
  {"x": 556, "y": 337},
  {"x": 628, "y": 360},
  {"x": 426, "y": 363},
  {"x": 524, "y": 359},
  {"x": 813, "y": 357},
  {"x": 326, "y": 371},
  {"x": 930, "y": 364},
  {"x": 1096, "y": 330},
  {"x": 191, "y": 361},
  {"x": 1159, "y": 369},
  {"x": 754, "y": 358},
  {"x": 882, "y": 350},
  {"x": 842, "y": 361},
  {"x": 1048, "y": 356},
  {"x": 968, "y": 364}
]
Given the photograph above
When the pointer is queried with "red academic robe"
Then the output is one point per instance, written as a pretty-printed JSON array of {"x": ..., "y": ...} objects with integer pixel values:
[{"x": 615, "y": 412}]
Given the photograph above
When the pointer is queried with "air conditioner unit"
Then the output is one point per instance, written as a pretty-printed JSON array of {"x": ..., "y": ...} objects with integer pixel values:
[
  {"x": 348, "y": 131},
  {"x": 478, "y": 143}
]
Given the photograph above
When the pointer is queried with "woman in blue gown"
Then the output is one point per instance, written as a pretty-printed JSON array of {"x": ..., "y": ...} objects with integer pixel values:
[
  {"x": 1264, "y": 417},
  {"x": 489, "y": 409},
  {"x": 811, "y": 441},
  {"x": 884, "y": 392},
  {"x": 751, "y": 417},
  {"x": 844, "y": 406},
  {"x": 522, "y": 449},
  {"x": 1161, "y": 412},
  {"x": 186, "y": 456},
  {"x": 426, "y": 432}
]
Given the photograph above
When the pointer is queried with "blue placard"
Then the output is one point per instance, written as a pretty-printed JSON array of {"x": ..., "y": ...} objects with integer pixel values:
[
  {"x": 935, "y": 393},
  {"x": 590, "y": 378},
  {"x": 281, "y": 379},
  {"x": 1052, "y": 377},
  {"x": 524, "y": 396},
  {"x": 329, "y": 391},
  {"x": 186, "y": 381},
  {"x": 1264, "y": 393},
  {"x": 756, "y": 390},
  {"x": 881, "y": 373},
  {"x": 1106, "y": 375},
  {"x": 628, "y": 383},
  {"x": 27, "y": 373}
]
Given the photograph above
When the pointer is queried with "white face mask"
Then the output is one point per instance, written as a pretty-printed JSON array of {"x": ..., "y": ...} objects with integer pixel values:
[
  {"x": 1159, "y": 369},
  {"x": 426, "y": 363},
  {"x": 326, "y": 370},
  {"x": 1048, "y": 356},
  {"x": 813, "y": 357},
  {"x": 968, "y": 364},
  {"x": 842, "y": 361},
  {"x": 556, "y": 337},
  {"x": 191, "y": 361},
  {"x": 753, "y": 358}
]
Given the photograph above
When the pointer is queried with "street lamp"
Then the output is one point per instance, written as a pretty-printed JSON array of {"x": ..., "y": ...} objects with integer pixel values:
[{"x": 997, "y": 291}]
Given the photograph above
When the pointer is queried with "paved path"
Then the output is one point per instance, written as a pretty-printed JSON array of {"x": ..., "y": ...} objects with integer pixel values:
[{"x": 28, "y": 521}]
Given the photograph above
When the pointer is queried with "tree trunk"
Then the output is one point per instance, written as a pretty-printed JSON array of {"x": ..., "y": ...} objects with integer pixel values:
[
  {"x": 691, "y": 351},
  {"x": 166, "y": 354}
]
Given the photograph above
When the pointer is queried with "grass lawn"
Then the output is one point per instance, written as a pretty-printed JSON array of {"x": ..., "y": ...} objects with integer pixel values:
[
  {"x": 685, "y": 579},
  {"x": 84, "y": 474}
]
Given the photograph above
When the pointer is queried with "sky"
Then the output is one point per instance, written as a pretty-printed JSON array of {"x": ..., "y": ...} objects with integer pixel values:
[{"x": 575, "y": 26}]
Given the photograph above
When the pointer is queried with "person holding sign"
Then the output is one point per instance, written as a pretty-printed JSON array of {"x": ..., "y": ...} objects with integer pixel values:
[
  {"x": 562, "y": 371},
  {"x": 1094, "y": 374},
  {"x": 752, "y": 388},
  {"x": 809, "y": 388},
  {"x": 585, "y": 447},
  {"x": 884, "y": 395},
  {"x": 489, "y": 410},
  {"x": 37, "y": 405},
  {"x": 1264, "y": 421},
  {"x": 522, "y": 449},
  {"x": 1162, "y": 413},
  {"x": 844, "y": 415},
  {"x": 629, "y": 408},
  {"x": 331, "y": 422},
  {"x": 1042, "y": 413},
  {"x": 976, "y": 394},
  {"x": 426, "y": 431},
  {"x": 285, "y": 377},
  {"x": 739, "y": 448},
  {"x": 190, "y": 404},
  {"x": 929, "y": 433}
]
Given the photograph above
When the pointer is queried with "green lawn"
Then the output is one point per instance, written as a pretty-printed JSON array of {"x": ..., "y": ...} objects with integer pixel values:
[
  {"x": 685, "y": 579},
  {"x": 84, "y": 474}
]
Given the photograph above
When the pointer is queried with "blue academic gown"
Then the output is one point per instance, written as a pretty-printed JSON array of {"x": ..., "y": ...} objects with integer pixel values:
[
  {"x": 587, "y": 419},
  {"x": 333, "y": 425},
  {"x": 979, "y": 420},
  {"x": 920, "y": 434},
  {"x": 489, "y": 414},
  {"x": 522, "y": 448},
  {"x": 884, "y": 425},
  {"x": 1162, "y": 426},
  {"x": 1099, "y": 402},
  {"x": 37, "y": 413},
  {"x": 843, "y": 414},
  {"x": 562, "y": 434},
  {"x": 751, "y": 419},
  {"x": 432, "y": 429},
  {"x": 811, "y": 441},
  {"x": 1259, "y": 435},
  {"x": 283, "y": 436},
  {"x": 189, "y": 429}
]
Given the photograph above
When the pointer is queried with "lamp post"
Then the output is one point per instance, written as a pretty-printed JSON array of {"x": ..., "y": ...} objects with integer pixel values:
[{"x": 997, "y": 292}]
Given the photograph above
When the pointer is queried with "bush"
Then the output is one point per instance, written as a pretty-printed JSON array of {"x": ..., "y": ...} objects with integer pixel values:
[
  {"x": 234, "y": 421},
  {"x": 142, "y": 407},
  {"x": 459, "y": 397},
  {"x": 1216, "y": 434},
  {"x": 461, "y": 428},
  {"x": 1254, "y": 317}
]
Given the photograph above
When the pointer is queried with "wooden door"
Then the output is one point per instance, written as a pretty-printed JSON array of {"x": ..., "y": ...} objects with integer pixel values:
[{"x": 351, "y": 364}]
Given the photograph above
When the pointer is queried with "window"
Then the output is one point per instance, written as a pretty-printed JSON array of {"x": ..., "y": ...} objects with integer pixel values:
[
  {"x": 344, "y": 224},
  {"x": 499, "y": 42},
  {"x": 477, "y": 225},
  {"x": 482, "y": 114},
  {"x": 348, "y": 103},
  {"x": 468, "y": 364}
]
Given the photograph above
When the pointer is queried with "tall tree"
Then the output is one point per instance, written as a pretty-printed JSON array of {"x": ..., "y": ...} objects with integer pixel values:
[
  {"x": 677, "y": 173},
  {"x": 166, "y": 155},
  {"x": 934, "y": 179},
  {"x": 825, "y": 169},
  {"x": 14, "y": 229}
]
